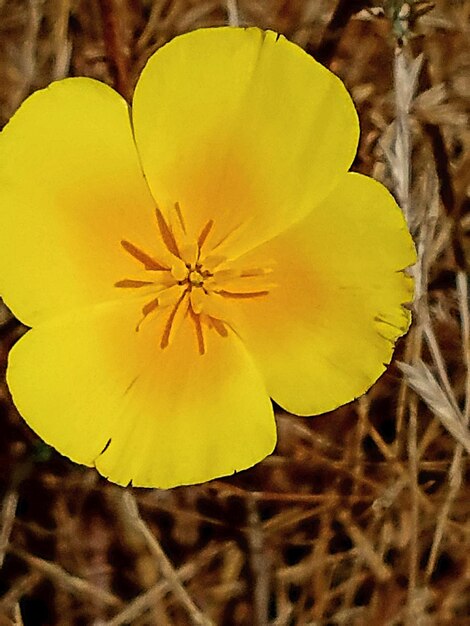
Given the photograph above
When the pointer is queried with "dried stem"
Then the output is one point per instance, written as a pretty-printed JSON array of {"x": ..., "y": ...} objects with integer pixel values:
[
  {"x": 75, "y": 585},
  {"x": 403, "y": 141},
  {"x": 164, "y": 564},
  {"x": 456, "y": 468},
  {"x": 17, "y": 617},
  {"x": 233, "y": 14},
  {"x": 259, "y": 564},
  {"x": 146, "y": 600},
  {"x": 29, "y": 51},
  {"x": 7, "y": 520},
  {"x": 62, "y": 46},
  {"x": 115, "y": 44},
  {"x": 405, "y": 80}
]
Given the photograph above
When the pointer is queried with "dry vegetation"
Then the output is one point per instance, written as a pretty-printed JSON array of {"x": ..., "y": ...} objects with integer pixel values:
[{"x": 362, "y": 516}]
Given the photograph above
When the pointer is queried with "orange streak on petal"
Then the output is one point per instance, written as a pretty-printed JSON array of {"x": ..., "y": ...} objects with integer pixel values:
[
  {"x": 219, "y": 326},
  {"x": 167, "y": 236},
  {"x": 142, "y": 257},
  {"x": 180, "y": 216},
  {"x": 129, "y": 283},
  {"x": 199, "y": 335},
  {"x": 169, "y": 324},
  {"x": 150, "y": 306},
  {"x": 146, "y": 310},
  {"x": 204, "y": 233},
  {"x": 241, "y": 296}
]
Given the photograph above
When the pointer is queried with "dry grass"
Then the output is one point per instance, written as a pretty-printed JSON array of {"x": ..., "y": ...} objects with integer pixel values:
[{"x": 361, "y": 517}]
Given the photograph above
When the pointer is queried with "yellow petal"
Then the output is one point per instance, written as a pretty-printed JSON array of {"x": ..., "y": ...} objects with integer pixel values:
[
  {"x": 102, "y": 393},
  {"x": 324, "y": 334},
  {"x": 242, "y": 127},
  {"x": 71, "y": 189}
]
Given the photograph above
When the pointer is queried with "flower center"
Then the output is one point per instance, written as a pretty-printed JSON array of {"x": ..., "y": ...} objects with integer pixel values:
[
  {"x": 191, "y": 283},
  {"x": 195, "y": 278}
]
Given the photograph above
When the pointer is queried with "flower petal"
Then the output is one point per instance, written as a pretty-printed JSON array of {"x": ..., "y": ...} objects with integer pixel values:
[
  {"x": 104, "y": 394},
  {"x": 323, "y": 335},
  {"x": 71, "y": 189},
  {"x": 242, "y": 127}
]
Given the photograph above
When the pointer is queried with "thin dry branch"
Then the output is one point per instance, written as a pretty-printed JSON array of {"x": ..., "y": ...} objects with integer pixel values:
[
  {"x": 405, "y": 75},
  {"x": 164, "y": 564},
  {"x": 422, "y": 381},
  {"x": 75, "y": 585},
  {"x": 7, "y": 520},
  {"x": 233, "y": 14},
  {"x": 259, "y": 564},
  {"x": 456, "y": 468},
  {"x": 365, "y": 549},
  {"x": 146, "y": 600}
]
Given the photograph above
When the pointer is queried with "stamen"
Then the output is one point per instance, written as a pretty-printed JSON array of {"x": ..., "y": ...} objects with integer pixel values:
[
  {"x": 189, "y": 253},
  {"x": 128, "y": 283},
  {"x": 170, "y": 295},
  {"x": 179, "y": 270},
  {"x": 169, "y": 324},
  {"x": 197, "y": 298},
  {"x": 199, "y": 335},
  {"x": 142, "y": 257},
  {"x": 219, "y": 326},
  {"x": 150, "y": 306},
  {"x": 180, "y": 216},
  {"x": 241, "y": 296},
  {"x": 146, "y": 310},
  {"x": 167, "y": 236},
  {"x": 204, "y": 233},
  {"x": 208, "y": 303}
]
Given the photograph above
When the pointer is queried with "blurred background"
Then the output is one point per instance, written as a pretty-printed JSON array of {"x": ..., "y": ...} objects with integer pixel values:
[{"x": 361, "y": 516}]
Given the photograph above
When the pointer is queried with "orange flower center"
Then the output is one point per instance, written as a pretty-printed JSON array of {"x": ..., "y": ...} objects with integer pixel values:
[{"x": 191, "y": 282}]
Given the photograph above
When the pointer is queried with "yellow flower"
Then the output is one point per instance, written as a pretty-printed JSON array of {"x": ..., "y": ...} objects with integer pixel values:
[{"x": 181, "y": 265}]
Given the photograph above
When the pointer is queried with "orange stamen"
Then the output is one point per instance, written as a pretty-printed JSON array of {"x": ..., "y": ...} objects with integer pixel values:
[
  {"x": 128, "y": 283},
  {"x": 169, "y": 324},
  {"x": 219, "y": 326},
  {"x": 146, "y": 310},
  {"x": 180, "y": 216},
  {"x": 204, "y": 233},
  {"x": 150, "y": 306},
  {"x": 241, "y": 296},
  {"x": 167, "y": 236},
  {"x": 199, "y": 335},
  {"x": 142, "y": 257}
]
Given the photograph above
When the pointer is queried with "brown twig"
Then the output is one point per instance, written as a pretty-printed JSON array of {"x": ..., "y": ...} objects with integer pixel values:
[
  {"x": 8, "y": 513},
  {"x": 164, "y": 564},
  {"x": 149, "y": 598},
  {"x": 74, "y": 584},
  {"x": 405, "y": 76},
  {"x": 259, "y": 564},
  {"x": 116, "y": 45},
  {"x": 61, "y": 42},
  {"x": 456, "y": 468},
  {"x": 233, "y": 15}
]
